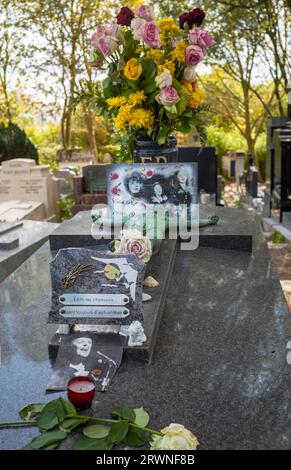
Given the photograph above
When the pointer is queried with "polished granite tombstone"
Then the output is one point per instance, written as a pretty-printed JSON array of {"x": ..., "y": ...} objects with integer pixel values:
[
  {"x": 219, "y": 365},
  {"x": 18, "y": 240}
]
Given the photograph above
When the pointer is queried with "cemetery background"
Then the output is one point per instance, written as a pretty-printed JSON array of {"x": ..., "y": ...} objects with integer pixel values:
[{"x": 68, "y": 133}]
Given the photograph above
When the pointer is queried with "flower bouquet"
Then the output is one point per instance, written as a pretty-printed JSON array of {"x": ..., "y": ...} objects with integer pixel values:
[{"x": 151, "y": 88}]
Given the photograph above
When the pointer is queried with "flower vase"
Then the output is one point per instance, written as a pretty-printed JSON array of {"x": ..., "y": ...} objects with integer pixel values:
[{"x": 148, "y": 151}]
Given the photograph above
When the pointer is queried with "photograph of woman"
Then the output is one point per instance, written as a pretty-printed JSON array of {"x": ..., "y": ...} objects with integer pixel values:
[{"x": 159, "y": 197}]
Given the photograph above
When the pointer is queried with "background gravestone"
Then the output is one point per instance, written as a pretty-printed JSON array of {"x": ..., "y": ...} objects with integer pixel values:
[
  {"x": 94, "y": 179},
  {"x": 22, "y": 180}
]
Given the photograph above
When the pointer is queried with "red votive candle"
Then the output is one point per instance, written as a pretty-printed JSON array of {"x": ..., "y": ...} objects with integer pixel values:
[{"x": 81, "y": 391}]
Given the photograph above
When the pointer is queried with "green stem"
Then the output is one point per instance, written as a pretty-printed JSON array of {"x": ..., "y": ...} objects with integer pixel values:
[
  {"x": 14, "y": 423},
  {"x": 93, "y": 418},
  {"x": 112, "y": 421}
]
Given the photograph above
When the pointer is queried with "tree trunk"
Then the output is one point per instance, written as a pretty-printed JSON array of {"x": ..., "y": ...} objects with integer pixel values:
[
  {"x": 89, "y": 117},
  {"x": 63, "y": 125},
  {"x": 68, "y": 128}
]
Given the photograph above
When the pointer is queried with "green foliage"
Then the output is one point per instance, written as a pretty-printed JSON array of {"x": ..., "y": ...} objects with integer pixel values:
[
  {"x": 278, "y": 237},
  {"x": 59, "y": 417},
  {"x": 261, "y": 150},
  {"x": 14, "y": 143},
  {"x": 65, "y": 206}
]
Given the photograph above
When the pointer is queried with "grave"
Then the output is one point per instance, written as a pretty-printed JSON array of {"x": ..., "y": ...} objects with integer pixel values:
[
  {"x": 66, "y": 185},
  {"x": 19, "y": 240},
  {"x": 221, "y": 345},
  {"x": 90, "y": 188},
  {"x": 27, "y": 191}
]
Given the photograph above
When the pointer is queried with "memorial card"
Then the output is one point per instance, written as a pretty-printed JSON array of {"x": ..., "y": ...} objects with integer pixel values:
[
  {"x": 132, "y": 188},
  {"x": 94, "y": 287},
  {"x": 82, "y": 354}
]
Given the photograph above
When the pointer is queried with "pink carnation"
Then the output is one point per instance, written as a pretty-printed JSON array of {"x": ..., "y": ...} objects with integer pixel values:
[
  {"x": 201, "y": 38},
  {"x": 151, "y": 35},
  {"x": 145, "y": 12},
  {"x": 194, "y": 54}
]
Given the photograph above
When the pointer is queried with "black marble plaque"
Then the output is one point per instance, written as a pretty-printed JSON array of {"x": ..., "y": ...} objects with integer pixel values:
[{"x": 94, "y": 287}]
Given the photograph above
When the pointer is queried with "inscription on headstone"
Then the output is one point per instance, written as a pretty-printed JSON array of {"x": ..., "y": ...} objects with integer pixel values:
[{"x": 95, "y": 287}]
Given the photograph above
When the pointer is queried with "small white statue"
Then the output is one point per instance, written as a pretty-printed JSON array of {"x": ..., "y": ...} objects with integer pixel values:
[{"x": 136, "y": 334}]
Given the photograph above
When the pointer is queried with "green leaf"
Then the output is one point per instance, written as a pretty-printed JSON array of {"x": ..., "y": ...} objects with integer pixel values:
[
  {"x": 51, "y": 446},
  {"x": 86, "y": 443},
  {"x": 54, "y": 413},
  {"x": 47, "y": 438},
  {"x": 118, "y": 431},
  {"x": 30, "y": 411},
  {"x": 177, "y": 85},
  {"x": 162, "y": 135},
  {"x": 70, "y": 423},
  {"x": 68, "y": 407},
  {"x": 136, "y": 437},
  {"x": 96, "y": 431},
  {"x": 182, "y": 104},
  {"x": 141, "y": 417},
  {"x": 124, "y": 412}
]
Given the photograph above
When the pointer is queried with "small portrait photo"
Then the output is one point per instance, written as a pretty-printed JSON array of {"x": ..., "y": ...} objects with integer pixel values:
[{"x": 86, "y": 354}]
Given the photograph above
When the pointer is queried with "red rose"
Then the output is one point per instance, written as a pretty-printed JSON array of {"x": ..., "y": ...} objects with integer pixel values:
[
  {"x": 115, "y": 190},
  {"x": 195, "y": 16},
  {"x": 114, "y": 176},
  {"x": 149, "y": 173},
  {"x": 183, "y": 19},
  {"x": 125, "y": 16}
]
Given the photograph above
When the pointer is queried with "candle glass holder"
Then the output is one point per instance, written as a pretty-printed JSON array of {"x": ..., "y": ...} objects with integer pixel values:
[{"x": 81, "y": 391}]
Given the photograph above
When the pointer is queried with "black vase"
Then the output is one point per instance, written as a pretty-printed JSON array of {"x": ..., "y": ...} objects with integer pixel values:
[{"x": 147, "y": 151}]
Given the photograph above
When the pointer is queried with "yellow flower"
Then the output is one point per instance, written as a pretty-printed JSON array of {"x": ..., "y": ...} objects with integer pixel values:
[
  {"x": 168, "y": 26},
  {"x": 155, "y": 55},
  {"x": 116, "y": 102},
  {"x": 170, "y": 66},
  {"x": 196, "y": 98},
  {"x": 179, "y": 53},
  {"x": 141, "y": 118},
  {"x": 175, "y": 437},
  {"x": 187, "y": 85},
  {"x": 132, "y": 69},
  {"x": 136, "y": 98},
  {"x": 122, "y": 118}
]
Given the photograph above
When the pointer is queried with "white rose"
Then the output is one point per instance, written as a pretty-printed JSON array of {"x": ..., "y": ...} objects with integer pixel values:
[
  {"x": 176, "y": 437},
  {"x": 136, "y": 25},
  {"x": 189, "y": 73},
  {"x": 133, "y": 241},
  {"x": 164, "y": 79}
]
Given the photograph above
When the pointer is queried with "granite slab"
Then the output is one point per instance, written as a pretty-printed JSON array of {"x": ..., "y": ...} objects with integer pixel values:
[
  {"x": 224, "y": 235},
  {"x": 18, "y": 240},
  {"x": 219, "y": 365}
]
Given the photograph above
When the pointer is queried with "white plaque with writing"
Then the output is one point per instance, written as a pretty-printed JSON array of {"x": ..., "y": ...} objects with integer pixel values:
[
  {"x": 93, "y": 299},
  {"x": 94, "y": 312}
]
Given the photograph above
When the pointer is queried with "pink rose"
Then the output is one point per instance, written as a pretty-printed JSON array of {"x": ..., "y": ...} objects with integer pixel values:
[
  {"x": 168, "y": 96},
  {"x": 145, "y": 12},
  {"x": 150, "y": 35},
  {"x": 201, "y": 38},
  {"x": 194, "y": 54},
  {"x": 133, "y": 241},
  {"x": 107, "y": 45},
  {"x": 98, "y": 33},
  {"x": 136, "y": 25}
]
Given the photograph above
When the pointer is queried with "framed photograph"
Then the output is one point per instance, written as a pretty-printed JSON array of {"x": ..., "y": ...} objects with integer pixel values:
[{"x": 131, "y": 188}]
